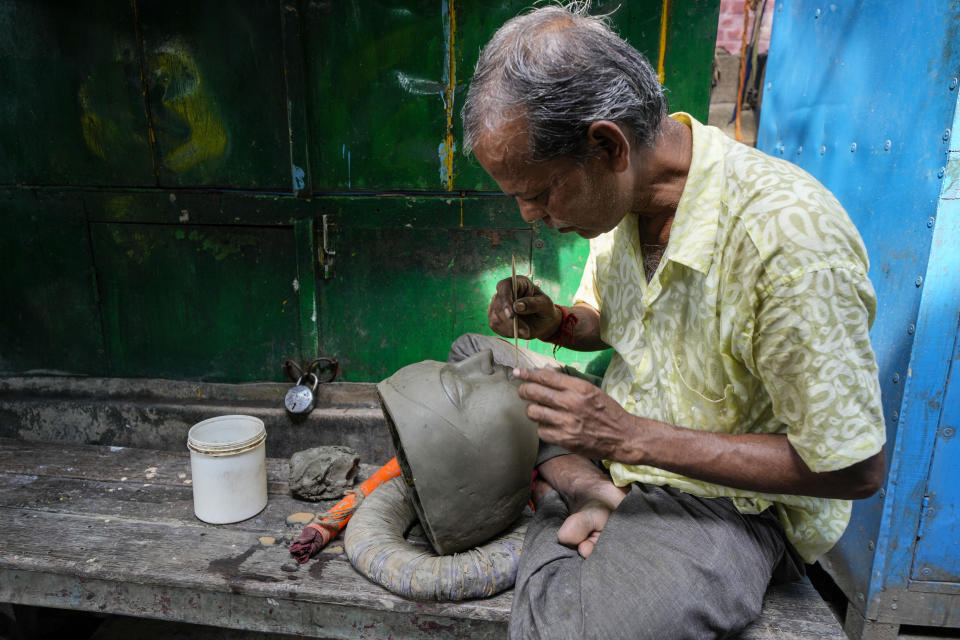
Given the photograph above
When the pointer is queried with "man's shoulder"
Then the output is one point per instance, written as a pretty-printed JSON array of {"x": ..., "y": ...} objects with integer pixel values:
[{"x": 794, "y": 223}]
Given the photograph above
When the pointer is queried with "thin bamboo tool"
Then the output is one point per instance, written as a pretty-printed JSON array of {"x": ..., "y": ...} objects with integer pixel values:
[{"x": 516, "y": 344}]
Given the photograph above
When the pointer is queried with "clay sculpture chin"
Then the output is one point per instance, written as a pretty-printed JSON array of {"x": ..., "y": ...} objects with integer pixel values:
[{"x": 464, "y": 444}]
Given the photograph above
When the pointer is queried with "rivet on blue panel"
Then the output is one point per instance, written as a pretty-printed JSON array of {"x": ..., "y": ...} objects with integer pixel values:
[
  {"x": 799, "y": 149},
  {"x": 887, "y": 145},
  {"x": 896, "y": 378},
  {"x": 853, "y": 147},
  {"x": 930, "y": 222},
  {"x": 918, "y": 281},
  {"x": 953, "y": 83},
  {"x": 911, "y": 328},
  {"x": 895, "y": 415},
  {"x": 816, "y": 14},
  {"x": 940, "y": 172},
  {"x": 926, "y": 571},
  {"x": 946, "y": 134},
  {"x": 947, "y": 432},
  {"x": 823, "y": 149}
]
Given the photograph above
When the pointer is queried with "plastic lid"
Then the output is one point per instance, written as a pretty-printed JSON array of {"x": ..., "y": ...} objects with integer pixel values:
[{"x": 226, "y": 435}]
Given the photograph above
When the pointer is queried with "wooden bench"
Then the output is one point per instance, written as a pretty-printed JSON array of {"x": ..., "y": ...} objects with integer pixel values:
[{"x": 111, "y": 529}]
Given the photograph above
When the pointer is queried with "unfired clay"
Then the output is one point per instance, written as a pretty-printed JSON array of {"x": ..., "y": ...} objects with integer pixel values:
[
  {"x": 465, "y": 445},
  {"x": 323, "y": 473}
]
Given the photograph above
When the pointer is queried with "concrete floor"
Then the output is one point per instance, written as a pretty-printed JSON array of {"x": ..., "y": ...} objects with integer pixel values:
[{"x": 723, "y": 100}]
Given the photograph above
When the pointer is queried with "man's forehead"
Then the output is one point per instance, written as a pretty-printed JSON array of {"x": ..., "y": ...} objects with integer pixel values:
[{"x": 507, "y": 142}]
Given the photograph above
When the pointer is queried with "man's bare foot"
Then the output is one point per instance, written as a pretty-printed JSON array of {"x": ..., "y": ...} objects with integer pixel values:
[{"x": 590, "y": 495}]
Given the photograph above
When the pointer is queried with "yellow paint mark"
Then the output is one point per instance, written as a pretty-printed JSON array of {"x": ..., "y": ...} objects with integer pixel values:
[
  {"x": 120, "y": 206},
  {"x": 267, "y": 540},
  {"x": 184, "y": 95},
  {"x": 461, "y": 212},
  {"x": 92, "y": 128},
  {"x": 448, "y": 98},
  {"x": 664, "y": 18}
]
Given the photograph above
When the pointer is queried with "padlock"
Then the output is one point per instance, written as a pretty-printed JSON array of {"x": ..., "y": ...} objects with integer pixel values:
[{"x": 301, "y": 397}]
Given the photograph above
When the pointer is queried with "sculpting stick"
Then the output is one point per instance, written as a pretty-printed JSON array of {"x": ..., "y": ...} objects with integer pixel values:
[
  {"x": 516, "y": 345},
  {"x": 328, "y": 524}
]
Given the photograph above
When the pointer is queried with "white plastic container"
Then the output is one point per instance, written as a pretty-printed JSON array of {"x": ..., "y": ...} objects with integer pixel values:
[{"x": 228, "y": 463}]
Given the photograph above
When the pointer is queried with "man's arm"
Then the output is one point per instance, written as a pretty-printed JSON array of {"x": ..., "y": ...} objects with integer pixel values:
[{"x": 581, "y": 418}]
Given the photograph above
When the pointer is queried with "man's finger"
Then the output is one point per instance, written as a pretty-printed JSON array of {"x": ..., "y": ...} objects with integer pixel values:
[
  {"x": 533, "y": 304},
  {"x": 546, "y": 417},
  {"x": 505, "y": 290},
  {"x": 547, "y": 396},
  {"x": 552, "y": 378}
]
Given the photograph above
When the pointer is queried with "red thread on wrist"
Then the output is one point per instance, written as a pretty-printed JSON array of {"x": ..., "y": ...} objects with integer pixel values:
[{"x": 563, "y": 336}]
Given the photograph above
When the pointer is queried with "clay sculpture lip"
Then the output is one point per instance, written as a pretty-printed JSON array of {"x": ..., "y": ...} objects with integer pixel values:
[{"x": 464, "y": 444}]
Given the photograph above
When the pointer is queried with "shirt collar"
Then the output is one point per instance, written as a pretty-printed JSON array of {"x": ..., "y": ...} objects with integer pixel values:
[{"x": 693, "y": 234}]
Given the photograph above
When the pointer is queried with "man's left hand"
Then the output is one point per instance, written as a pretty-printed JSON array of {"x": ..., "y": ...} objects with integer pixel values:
[{"x": 576, "y": 415}]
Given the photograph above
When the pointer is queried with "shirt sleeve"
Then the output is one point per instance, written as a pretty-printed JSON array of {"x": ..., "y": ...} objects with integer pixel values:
[
  {"x": 812, "y": 352},
  {"x": 587, "y": 292}
]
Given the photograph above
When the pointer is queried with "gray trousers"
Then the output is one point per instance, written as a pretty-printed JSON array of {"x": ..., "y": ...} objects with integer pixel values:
[{"x": 667, "y": 566}]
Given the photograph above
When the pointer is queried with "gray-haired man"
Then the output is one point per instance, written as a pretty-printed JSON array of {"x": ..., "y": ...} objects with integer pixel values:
[{"x": 740, "y": 413}]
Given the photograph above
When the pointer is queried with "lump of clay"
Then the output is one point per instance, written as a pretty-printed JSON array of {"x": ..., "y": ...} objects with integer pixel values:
[{"x": 323, "y": 473}]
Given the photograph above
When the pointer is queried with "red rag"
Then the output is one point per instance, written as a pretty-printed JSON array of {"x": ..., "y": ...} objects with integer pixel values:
[{"x": 306, "y": 545}]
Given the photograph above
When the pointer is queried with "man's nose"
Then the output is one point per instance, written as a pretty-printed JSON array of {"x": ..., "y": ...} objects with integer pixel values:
[{"x": 530, "y": 211}]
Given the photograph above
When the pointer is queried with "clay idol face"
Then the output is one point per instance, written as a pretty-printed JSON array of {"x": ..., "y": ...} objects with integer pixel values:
[{"x": 465, "y": 445}]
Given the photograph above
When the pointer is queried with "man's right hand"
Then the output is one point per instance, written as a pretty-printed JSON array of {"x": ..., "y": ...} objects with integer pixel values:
[{"x": 537, "y": 317}]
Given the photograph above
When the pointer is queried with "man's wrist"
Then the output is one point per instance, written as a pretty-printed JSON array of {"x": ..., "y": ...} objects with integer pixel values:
[{"x": 562, "y": 335}]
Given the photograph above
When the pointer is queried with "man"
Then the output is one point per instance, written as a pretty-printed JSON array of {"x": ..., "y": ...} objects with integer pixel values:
[{"x": 741, "y": 411}]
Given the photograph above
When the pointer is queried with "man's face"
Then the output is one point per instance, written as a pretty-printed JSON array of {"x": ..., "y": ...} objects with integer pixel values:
[{"x": 565, "y": 195}]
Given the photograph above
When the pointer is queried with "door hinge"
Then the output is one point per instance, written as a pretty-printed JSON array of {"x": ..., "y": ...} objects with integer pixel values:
[{"x": 327, "y": 252}]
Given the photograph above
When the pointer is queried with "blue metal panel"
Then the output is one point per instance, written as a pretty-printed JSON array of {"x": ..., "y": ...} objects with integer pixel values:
[
  {"x": 938, "y": 546},
  {"x": 862, "y": 95}
]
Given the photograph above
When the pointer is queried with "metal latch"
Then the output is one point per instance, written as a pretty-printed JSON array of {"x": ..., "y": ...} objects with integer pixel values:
[{"x": 327, "y": 252}]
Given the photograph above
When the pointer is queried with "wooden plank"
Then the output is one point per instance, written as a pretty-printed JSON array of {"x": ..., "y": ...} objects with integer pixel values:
[
  {"x": 111, "y": 529},
  {"x": 122, "y": 538},
  {"x": 794, "y": 611}
]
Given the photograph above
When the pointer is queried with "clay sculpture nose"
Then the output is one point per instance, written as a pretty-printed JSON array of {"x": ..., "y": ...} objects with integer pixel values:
[{"x": 480, "y": 362}]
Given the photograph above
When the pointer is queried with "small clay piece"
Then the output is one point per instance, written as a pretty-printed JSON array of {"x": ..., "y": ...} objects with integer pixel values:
[
  {"x": 301, "y": 517},
  {"x": 267, "y": 540},
  {"x": 290, "y": 567},
  {"x": 323, "y": 473},
  {"x": 464, "y": 444}
]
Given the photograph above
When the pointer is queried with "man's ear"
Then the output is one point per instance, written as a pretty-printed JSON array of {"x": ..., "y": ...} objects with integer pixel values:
[{"x": 609, "y": 142}]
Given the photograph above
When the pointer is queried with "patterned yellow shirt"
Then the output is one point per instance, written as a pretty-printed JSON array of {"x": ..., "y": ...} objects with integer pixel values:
[{"x": 756, "y": 321}]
